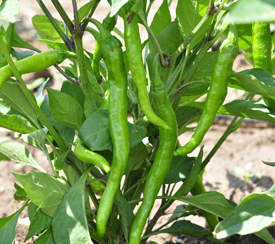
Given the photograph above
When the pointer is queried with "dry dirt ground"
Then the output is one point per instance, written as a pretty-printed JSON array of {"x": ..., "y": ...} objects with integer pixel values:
[{"x": 243, "y": 146}]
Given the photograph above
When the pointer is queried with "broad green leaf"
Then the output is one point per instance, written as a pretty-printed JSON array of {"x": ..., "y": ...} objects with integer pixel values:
[
  {"x": 178, "y": 212},
  {"x": 46, "y": 237},
  {"x": 8, "y": 12},
  {"x": 249, "y": 11},
  {"x": 257, "y": 81},
  {"x": 212, "y": 202},
  {"x": 71, "y": 215},
  {"x": 19, "y": 42},
  {"x": 65, "y": 109},
  {"x": 20, "y": 194},
  {"x": 126, "y": 213},
  {"x": 18, "y": 54},
  {"x": 13, "y": 95},
  {"x": 59, "y": 162},
  {"x": 54, "y": 44},
  {"x": 248, "y": 109},
  {"x": 170, "y": 38},
  {"x": 11, "y": 119},
  {"x": 95, "y": 132},
  {"x": 74, "y": 91},
  {"x": 45, "y": 29},
  {"x": 187, "y": 228},
  {"x": 161, "y": 19},
  {"x": 189, "y": 13},
  {"x": 39, "y": 223},
  {"x": 7, "y": 226},
  {"x": 245, "y": 40},
  {"x": 179, "y": 169},
  {"x": 36, "y": 139},
  {"x": 84, "y": 10},
  {"x": 91, "y": 103},
  {"x": 44, "y": 190},
  {"x": 253, "y": 213},
  {"x": 136, "y": 156},
  {"x": 188, "y": 114},
  {"x": 31, "y": 210},
  {"x": 205, "y": 68},
  {"x": 19, "y": 153},
  {"x": 136, "y": 134},
  {"x": 67, "y": 132},
  {"x": 116, "y": 6},
  {"x": 16, "y": 123}
]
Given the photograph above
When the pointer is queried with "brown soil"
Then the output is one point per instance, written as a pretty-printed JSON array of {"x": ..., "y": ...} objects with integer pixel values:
[{"x": 243, "y": 146}]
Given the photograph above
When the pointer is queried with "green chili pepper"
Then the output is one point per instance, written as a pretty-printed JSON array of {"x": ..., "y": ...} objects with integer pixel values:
[
  {"x": 164, "y": 155},
  {"x": 35, "y": 63},
  {"x": 134, "y": 55},
  {"x": 117, "y": 106},
  {"x": 90, "y": 157},
  {"x": 217, "y": 91},
  {"x": 261, "y": 48},
  {"x": 109, "y": 23}
]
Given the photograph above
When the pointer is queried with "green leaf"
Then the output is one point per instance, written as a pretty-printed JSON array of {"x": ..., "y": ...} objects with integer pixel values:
[
  {"x": 36, "y": 139},
  {"x": 269, "y": 163},
  {"x": 31, "y": 210},
  {"x": 67, "y": 132},
  {"x": 95, "y": 132},
  {"x": 212, "y": 202},
  {"x": 84, "y": 10},
  {"x": 179, "y": 169},
  {"x": 7, "y": 226},
  {"x": 248, "y": 109},
  {"x": 54, "y": 44},
  {"x": 205, "y": 68},
  {"x": 249, "y": 11},
  {"x": 13, "y": 95},
  {"x": 189, "y": 13},
  {"x": 44, "y": 190},
  {"x": 136, "y": 134},
  {"x": 178, "y": 212},
  {"x": 39, "y": 223},
  {"x": 187, "y": 228},
  {"x": 20, "y": 194},
  {"x": 116, "y": 6},
  {"x": 253, "y": 213},
  {"x": 12, "y": 120},
  {"x": 188, "y": 114},
  {"x": 45, "y": 29},
  {"x": 245, "y": 40},
  {"x": 65, "y": 109},
  {"x": 59, "y": 162},
  {"x": 18, "y": 54},
  {"x": 19, "y": 153},
  {"x": 19, "y": 42},
  {"x": 126, "y": 213},
  {"x": 162, "y": 18},
  {"x": 74, "y": 91},
  {"x": 136, "y": 157},
  {"x": 170, "y": 38},
  {"x": 71, "y": 215},
  {"x": 46, "y": 237},
  {"x": 91, "y": 103},
  {"x": 8, "y": 12},
  {"x": 257, "y": 81}
]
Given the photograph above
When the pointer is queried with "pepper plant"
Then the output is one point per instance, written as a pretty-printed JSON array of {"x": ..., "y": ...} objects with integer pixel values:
[{"x": 112, "y": 129}]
